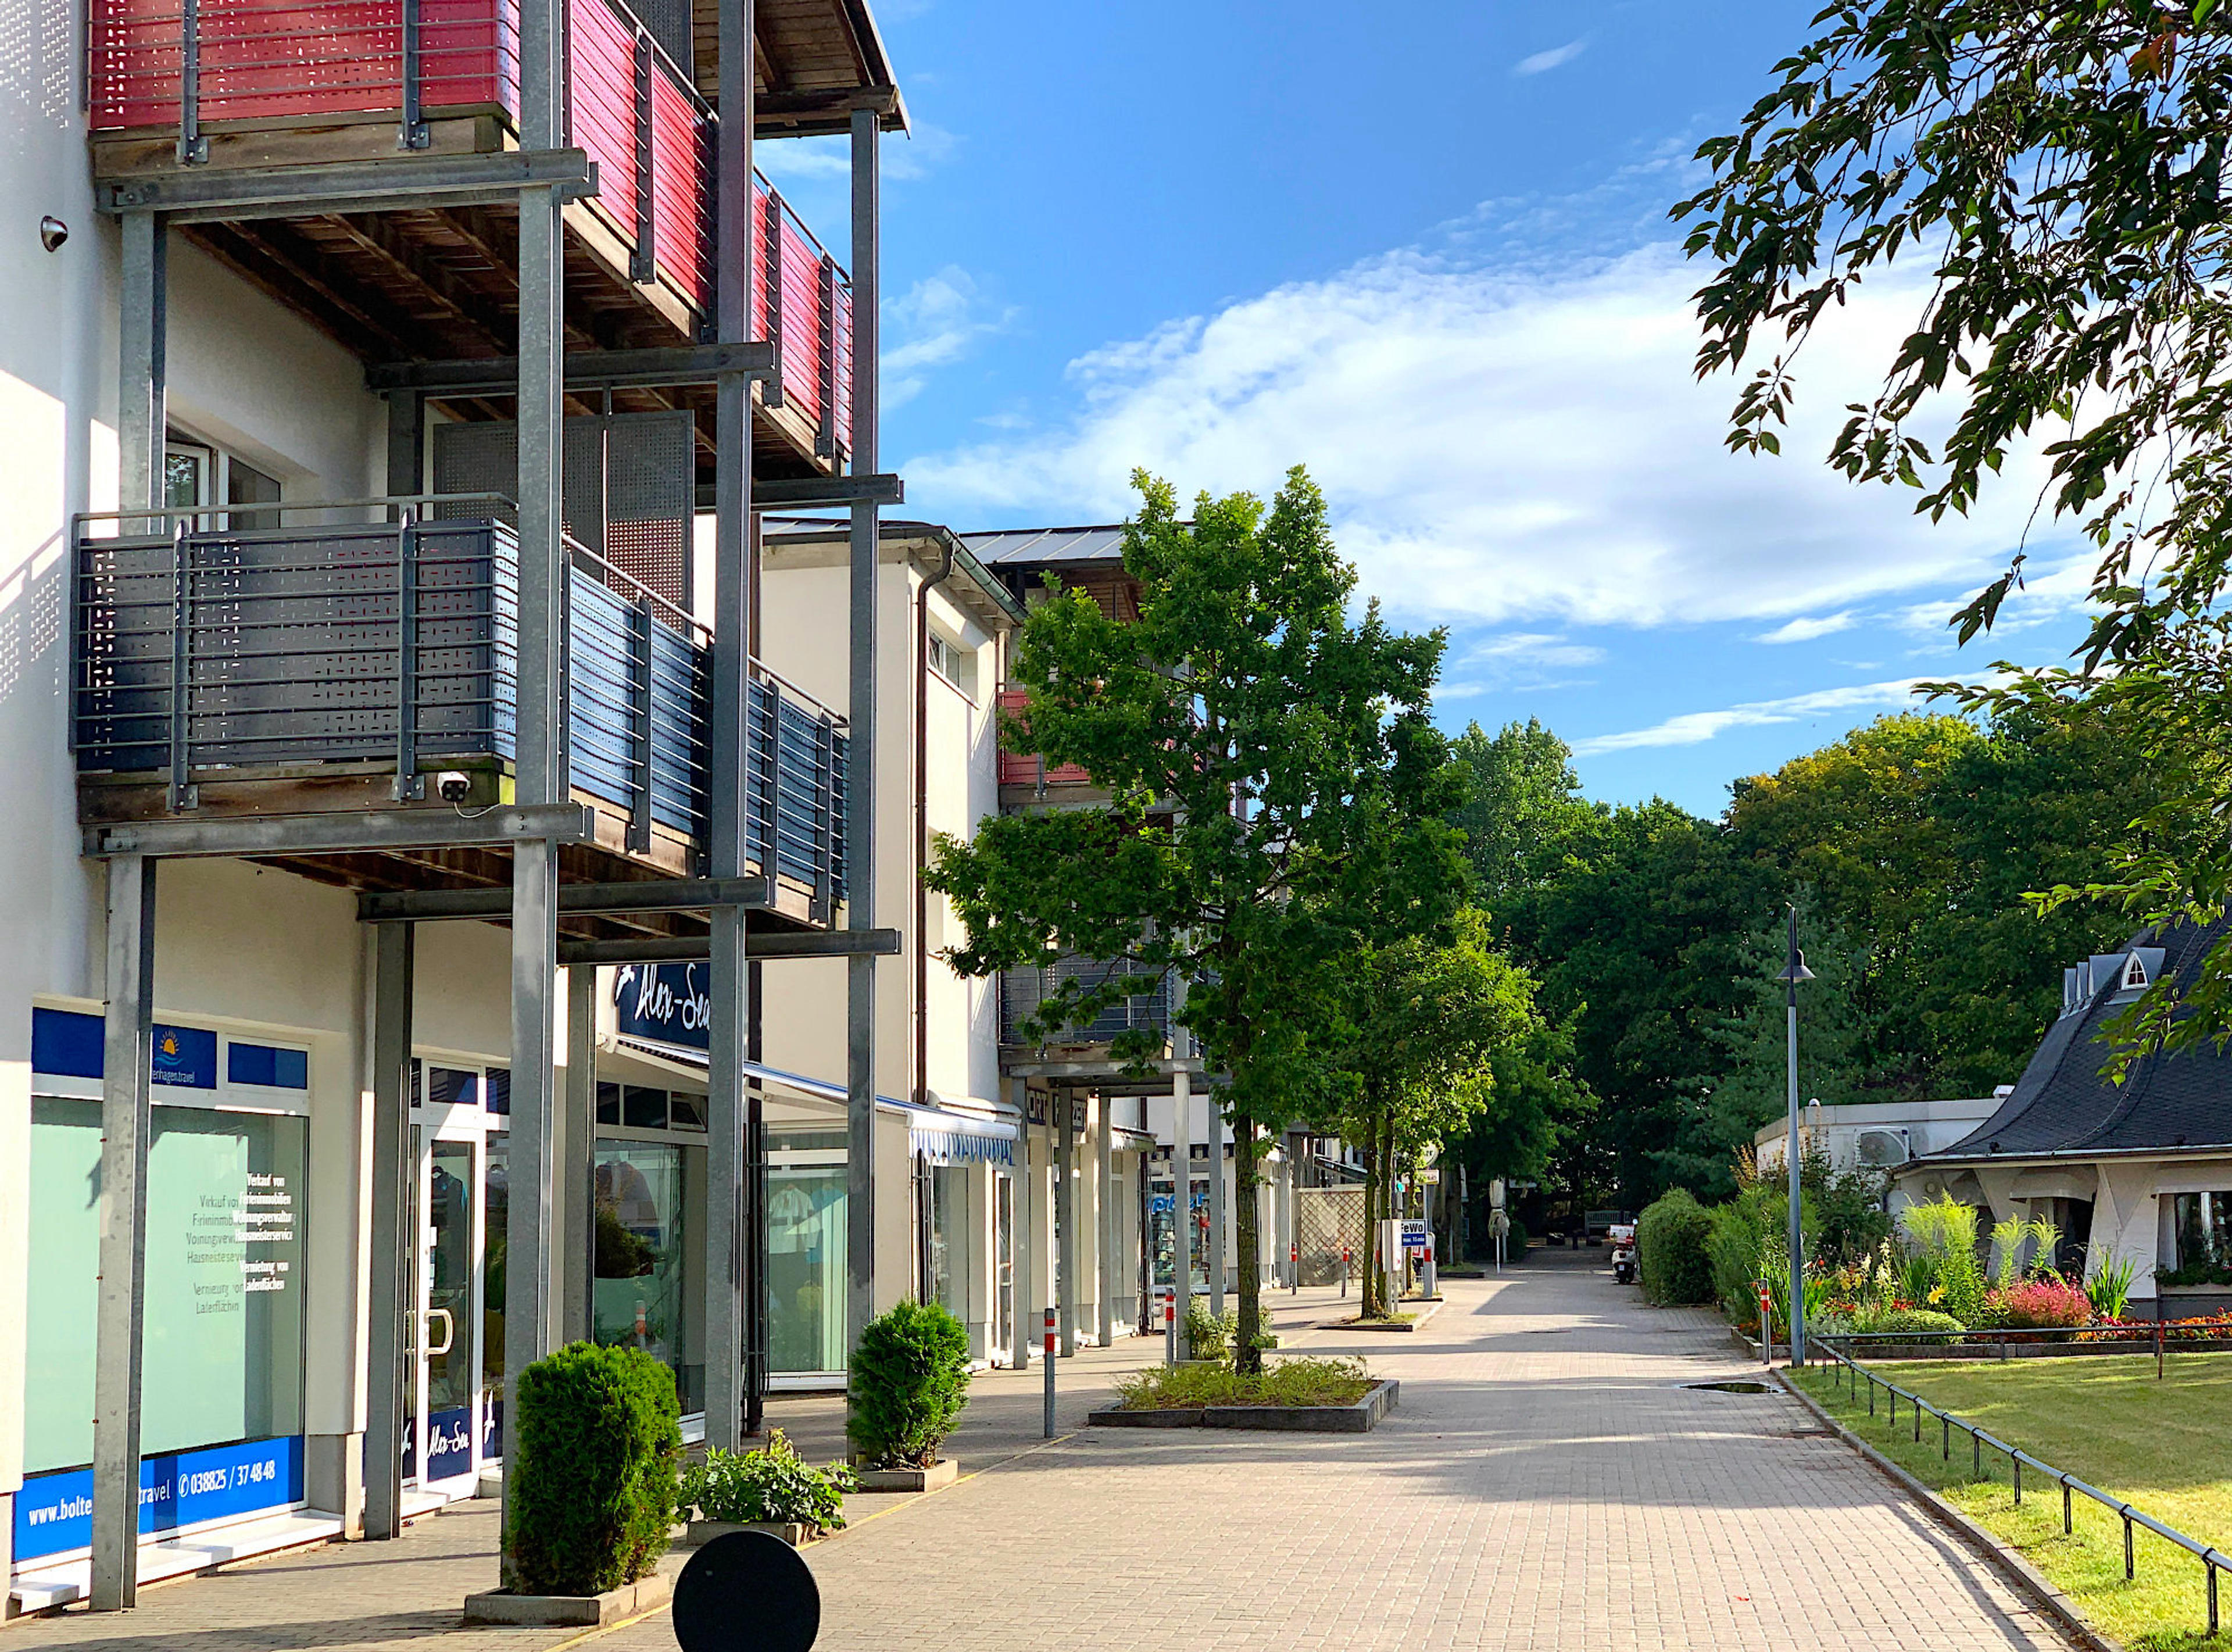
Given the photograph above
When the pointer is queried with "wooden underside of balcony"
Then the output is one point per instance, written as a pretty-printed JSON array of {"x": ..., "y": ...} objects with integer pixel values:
[
  {"x": 442, "y": 284},
  {"x": 320, "y": 789}
]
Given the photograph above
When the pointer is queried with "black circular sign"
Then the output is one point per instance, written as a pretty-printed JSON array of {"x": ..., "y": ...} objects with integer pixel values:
[{"x": 746, "y": 1591}]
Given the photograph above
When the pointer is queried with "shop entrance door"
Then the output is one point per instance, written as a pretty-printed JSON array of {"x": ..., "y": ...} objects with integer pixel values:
[
  {"x": 447, "y": 1343},
  {"x": 1003, "y": 1264}
]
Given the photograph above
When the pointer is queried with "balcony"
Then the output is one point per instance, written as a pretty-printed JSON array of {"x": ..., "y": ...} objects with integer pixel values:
[
  {"x": 1022, "y": 991},
  {"x": 274, "y": 670},
  {"x": 1029, "y": 772},
  {"x": 215, "y": 83}
]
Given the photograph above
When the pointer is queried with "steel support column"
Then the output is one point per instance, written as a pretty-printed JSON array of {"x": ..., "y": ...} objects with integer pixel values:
[
  {"x": 142, "y": 351},
  {"x": 1068, "y": 1250},
  {"x": 576, "y": 1171},
  {"x": 391, "y": 1285},
  {"x": 1105, "y": 1204},
  {"x": 1020, "y": 1254},
  {"x": 1181, "y": 1181},
  {"x": 407, "y": 441},
  {"x": 1219, "y": 1245},
  {"x": 860, "y": 794},
  {"x": 727, "y": 1239},
  {"x": 528, "y": 1303},
  {"x": 121, "y": 1299}
]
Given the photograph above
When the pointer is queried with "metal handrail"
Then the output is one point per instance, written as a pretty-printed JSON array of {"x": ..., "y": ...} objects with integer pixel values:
[{"x": 2212, "y": 1559}]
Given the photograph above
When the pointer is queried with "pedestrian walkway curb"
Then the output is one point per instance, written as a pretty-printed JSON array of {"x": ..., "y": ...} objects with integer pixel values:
[{"x": 2009, "y": 1561}]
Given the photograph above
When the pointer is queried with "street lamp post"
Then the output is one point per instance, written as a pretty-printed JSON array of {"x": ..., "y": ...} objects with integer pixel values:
[{"x": 1793, "y": 972}]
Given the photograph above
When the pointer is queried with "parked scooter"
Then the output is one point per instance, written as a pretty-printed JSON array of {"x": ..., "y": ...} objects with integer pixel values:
[{"x": 1622, "y": 1234}]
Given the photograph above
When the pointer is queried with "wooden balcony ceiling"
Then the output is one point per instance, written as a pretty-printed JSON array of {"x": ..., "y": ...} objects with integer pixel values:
[
  {"x": 810, "y": 59},
  {"x": 443, "y": 284}
]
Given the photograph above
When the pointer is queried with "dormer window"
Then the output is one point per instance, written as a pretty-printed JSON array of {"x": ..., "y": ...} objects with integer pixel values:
[{"x": 2135, "y": 974}]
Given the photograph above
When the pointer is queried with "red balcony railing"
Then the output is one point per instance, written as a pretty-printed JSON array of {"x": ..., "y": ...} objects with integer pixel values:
[
  {"x": 1030, "y": 767},
  {"x": 178, "y": 66}
]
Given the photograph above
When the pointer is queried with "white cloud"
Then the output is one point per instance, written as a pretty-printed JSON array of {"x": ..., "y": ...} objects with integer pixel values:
[
  {"x": 1805, "y": 628},
  {"x": 1501, "y": 446},
  {"x": 937, "y": 319},
  {"x": 1542, "y": 62},
  {"x": 1518, "y": 659},
  {"x": 1695, "y": 727}
]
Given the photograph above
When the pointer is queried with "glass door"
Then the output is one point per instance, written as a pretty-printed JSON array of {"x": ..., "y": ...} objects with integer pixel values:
[
  {"x": 446, "y": 1337},
  {"x": 1004, "y": 1265}
]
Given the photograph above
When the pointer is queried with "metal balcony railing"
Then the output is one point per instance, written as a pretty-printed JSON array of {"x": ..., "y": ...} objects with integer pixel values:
[
  {"x": 207, "y": 653},
  {"x": 1022, "y": 991},
  {"x": 179, "y": 67}
]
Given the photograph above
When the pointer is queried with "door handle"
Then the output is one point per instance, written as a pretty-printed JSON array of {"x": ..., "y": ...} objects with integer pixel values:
[{"x": 449, "y": 1330}]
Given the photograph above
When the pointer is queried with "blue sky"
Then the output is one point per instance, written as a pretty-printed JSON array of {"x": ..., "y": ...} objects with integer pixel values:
[{"x": 1430, "y": 259}]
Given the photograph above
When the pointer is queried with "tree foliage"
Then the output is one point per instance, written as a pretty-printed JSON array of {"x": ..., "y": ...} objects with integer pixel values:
[
  {"x": 2057, "y": 168},
  {"x": 1277, "y": 789}
]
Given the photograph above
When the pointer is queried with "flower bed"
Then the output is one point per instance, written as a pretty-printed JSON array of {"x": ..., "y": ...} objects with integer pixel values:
[{"x": 1284, "y": 1383}]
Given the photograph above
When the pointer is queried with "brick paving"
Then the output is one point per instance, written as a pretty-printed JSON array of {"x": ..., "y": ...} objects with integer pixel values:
[{"x": 1548, "y": 1482}]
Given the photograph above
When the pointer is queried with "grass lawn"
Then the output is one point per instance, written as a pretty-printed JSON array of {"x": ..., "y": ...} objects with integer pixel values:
[{"x": 2165, "y": 1446}]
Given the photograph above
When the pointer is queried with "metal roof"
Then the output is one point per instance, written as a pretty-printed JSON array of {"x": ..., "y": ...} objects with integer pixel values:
[
  {"x": 2062, "y": 1106},
  {"x": 1040, "y": 545}
]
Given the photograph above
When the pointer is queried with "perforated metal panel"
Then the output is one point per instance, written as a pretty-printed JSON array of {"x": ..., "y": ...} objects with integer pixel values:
[
  {"x": 630, "y": 486},
  {"x": 1331, "y": 1220}
]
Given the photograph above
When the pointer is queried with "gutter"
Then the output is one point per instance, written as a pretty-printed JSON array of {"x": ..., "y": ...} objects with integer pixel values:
[{"x": 2194, "y": 1149}]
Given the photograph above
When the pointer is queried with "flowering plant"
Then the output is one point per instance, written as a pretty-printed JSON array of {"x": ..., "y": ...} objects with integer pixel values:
[{"x": 2038, "y": 1304}]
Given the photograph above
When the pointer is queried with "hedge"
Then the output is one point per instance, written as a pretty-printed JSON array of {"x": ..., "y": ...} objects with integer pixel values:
[
  {"x": 910, "y": 1380},
  {"x": 591, "y": 1469},
  {"x": 1670, "y": 1259}
]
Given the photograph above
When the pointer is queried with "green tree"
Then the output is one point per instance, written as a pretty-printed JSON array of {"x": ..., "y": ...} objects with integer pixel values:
[
  {"x": 1278, "y": 788},
  {"x": 1523, "y": 805},
  {"x": 2057, "y": 169},
  {"x": 1429, "y": 1020}
]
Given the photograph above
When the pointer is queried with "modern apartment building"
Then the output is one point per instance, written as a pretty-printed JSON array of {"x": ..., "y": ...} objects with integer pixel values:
[{"x": 389, "y": 393}]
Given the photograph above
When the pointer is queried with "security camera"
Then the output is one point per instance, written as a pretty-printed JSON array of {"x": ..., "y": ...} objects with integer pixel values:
[
  {"x": 453, "y": 785},
  {"x": 52, "y": 233}
]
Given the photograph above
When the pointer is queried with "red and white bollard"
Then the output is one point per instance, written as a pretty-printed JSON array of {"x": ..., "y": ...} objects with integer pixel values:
[
  {"x": 1343, "y": 1270},
  {"x": 1293, "y": 1269},
  {"x": 1050, "y": 1373},
  {"x": 1169, "y": 1325}
]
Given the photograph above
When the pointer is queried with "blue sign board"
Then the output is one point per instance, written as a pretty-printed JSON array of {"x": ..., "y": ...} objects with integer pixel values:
[
  {"x": 449, "y": 1443},
  {"x": 66, "y": 1043},
  {"x": 53, "y": 1513},
  {"x": 186, "y": 1055},
  {"x": 666, "y": 1003}
]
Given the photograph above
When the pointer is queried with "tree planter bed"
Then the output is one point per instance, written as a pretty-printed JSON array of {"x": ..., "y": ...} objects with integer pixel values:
[
  {"x": 502, "y": 1607},
  {"x": 909, "y": 1479},
  {"x": 701, "y": 1533},
  {"x": 1356, "y": 1418}
]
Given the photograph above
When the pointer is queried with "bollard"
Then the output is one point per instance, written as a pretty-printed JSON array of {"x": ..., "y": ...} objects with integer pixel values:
[
  {"x": 1049, "y": 1372},
  {"x": 1426, "y": 1281},
  {"x": 1294, "y": 1269},
  {"x": 1171, "y": 1325},
  {"x": 1343, "y": 1270}
]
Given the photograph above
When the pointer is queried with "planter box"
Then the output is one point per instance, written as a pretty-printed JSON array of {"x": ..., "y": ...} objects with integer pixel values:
[
  {"x": 1358, "y": 1418},
  {"x": 698, "y": 1533},
  {"x": 1427, "y": 1309},
  {"x": 909, "y": 1479},
  {"x": 502, "y": 1607}
]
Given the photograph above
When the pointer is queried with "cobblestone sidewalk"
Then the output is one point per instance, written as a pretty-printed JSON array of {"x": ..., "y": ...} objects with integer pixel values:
[{"x": 1549, "y": 1482}]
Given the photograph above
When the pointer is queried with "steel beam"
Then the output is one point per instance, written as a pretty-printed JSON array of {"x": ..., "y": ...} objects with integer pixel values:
[
  {"x": 402, "y": 182},
  {"x": 541, "y": 757},
  {"x": 141, "y": 397},
  {"x": 860, "y": 793},
  {"x": 693, "y": 949},
  {"x": 391, "y": 1285},
  {"x": 406, "y": 444},
  {"x": 830, "y": 493},
  {"x": 373, "y": 832},
  {"x": 127, "y": 1048},
  {"x": 1219, "y": 1245},
  {"x": 574, "y": 900},
  {"x": 655, "y": 369},
  {"x": 800, "y": 114}
]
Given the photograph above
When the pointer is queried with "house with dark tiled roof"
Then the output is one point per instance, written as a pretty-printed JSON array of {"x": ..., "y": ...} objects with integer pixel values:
[{"x": 2139, "y": 1168}]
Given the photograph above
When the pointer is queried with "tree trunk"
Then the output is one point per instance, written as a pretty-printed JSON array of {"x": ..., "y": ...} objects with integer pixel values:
[
  {"x": 1372, "y": 1303},
  {"x": 1247, "y": 1358}
]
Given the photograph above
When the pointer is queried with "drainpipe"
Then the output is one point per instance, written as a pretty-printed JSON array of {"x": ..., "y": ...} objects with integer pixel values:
[{"x": 922, "y": 824}]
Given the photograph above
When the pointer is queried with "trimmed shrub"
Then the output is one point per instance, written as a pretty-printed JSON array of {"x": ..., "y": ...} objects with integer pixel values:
[
  {"x": 773, "y": 1486},
  {"x": 591, "y": 1469},
  {"x": 1671, "y": 1262},
  {"x": 910, "y": 1381},
  {"x": 1912, "y": 1319},
  {"x": 2036, "y": 1304}
]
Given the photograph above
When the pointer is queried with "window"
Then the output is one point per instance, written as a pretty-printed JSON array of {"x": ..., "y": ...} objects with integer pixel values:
[
  {"x": 646, "y": 1265},
  {"x": 195, "y": 473},
  {"x": 2202, "y": 1223},
  {"x": 957, "y": 664}
]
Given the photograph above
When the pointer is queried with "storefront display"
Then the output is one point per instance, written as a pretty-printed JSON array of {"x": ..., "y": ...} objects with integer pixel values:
[{"x": 646, "y": 1262}]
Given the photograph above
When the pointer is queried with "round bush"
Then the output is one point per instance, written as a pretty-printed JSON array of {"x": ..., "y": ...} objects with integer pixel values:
[
  {"x": 1912, "y": 1319},
  {"x": 910, "y": 1380},
  {"x": 1671, "y": 1262},
  {"x": 591, "y": 1469}
]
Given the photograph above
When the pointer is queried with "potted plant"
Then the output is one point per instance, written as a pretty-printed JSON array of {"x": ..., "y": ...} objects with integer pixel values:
[
  {"x": 591, "y": 1488},
  {"x": 910, "y": 1380},
  {"x": 772, "y": 1490}
]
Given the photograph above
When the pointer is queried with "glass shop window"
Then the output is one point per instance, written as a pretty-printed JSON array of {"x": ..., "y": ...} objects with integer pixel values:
[{"x": 645, "y": 1265}]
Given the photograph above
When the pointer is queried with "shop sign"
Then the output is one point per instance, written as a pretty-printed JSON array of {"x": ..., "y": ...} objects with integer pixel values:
[
  {"x": 1414, "y": 1236},
  {"x": 53, "y": 1513},
  {"x": 666, "y": 1003},
  {"x": 186, "y": 1055},
  {"x": 961, "y": 1147}
]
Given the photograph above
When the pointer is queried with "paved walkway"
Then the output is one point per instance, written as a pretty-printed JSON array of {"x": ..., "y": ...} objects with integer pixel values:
[{"x": 1549, "y": 1482}]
